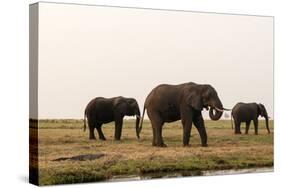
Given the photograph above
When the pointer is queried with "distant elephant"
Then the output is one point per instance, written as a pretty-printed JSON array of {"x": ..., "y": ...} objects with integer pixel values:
[
  {"x": 246, "y": 112},
  {"x": 104, "y": 110},
  {"x": 169, "y": 103}
]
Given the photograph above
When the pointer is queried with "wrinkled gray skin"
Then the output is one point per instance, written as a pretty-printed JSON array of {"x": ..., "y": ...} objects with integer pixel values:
[
  {"x": 247, "y": 112},
  {"x": 104, "y": 110},
  {"x": 169, "y": 103}
]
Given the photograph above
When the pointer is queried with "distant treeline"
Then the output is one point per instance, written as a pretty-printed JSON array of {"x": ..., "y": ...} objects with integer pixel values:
[{"x": 60, "y": 120}]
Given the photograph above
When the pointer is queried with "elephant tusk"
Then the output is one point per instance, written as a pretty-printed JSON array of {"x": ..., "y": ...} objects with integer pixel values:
[
  {"x": 221, "y": 110},
  {"x": 218, "y": 109},
  {"x": 227, "y": 109}
]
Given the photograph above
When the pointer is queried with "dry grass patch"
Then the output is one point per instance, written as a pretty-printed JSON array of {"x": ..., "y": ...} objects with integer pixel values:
[{"x": 59, "y": 138}]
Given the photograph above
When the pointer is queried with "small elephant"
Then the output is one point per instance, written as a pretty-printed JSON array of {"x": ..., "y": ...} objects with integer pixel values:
[
  {"x": 169, "y": 103},
  {"x": 246, "y": 112},
  {"x": 104, "y": 110}
]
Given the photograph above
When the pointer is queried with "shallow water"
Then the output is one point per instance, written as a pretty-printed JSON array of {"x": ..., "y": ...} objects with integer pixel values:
[
  {"x": 237, "y": 171},
  {"x": 190, "y": 173}
]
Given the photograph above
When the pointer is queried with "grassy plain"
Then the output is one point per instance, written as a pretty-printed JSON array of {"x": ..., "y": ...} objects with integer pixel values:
[{"x": 65, "y": 138}]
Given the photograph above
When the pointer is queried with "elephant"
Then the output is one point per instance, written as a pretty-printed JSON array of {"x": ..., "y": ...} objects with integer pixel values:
[
  {"x": 169, "y": 103},
  {"x": 102, "y": 110},
  {"x": 247, "y": 112}
]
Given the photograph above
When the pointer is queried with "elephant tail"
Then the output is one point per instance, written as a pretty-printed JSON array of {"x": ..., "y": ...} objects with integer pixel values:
[
  {"x": 140, "y": 127},
  {"x": 231, "y": 115},
  {"x": 85, "y": 119}
]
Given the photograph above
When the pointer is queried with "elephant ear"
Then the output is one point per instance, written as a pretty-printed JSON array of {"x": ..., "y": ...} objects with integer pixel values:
[
  {"x": 194, "y": 99},
  {"x": 206, "y": 91},
  {"x": 261, "y": 109},
  {"x": 120, "y": 106}
]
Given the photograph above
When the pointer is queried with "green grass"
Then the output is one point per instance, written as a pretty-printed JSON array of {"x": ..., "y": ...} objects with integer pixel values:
[{"x": 65, "y": 138}]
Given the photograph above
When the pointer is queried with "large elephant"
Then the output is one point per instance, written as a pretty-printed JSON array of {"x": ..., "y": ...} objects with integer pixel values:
[
  {"x": 168, "y": 103},
  {"x": 246, "y": 112},
  {"x": 104, "y": 110}
]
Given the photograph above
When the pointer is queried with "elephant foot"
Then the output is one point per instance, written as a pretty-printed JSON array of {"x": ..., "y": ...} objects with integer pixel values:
[
  {"x": 117, "y": 139},
  {"x": 186, "y": 145},
  {"x": 205, "y": 145},
  {"x": 103, "y": 138},
  {"x": 92, "y": 138},
  {"x": 238, "y": 133},
  {"x": 161, "y": 145},
  {"x": 256, "y": 134}
]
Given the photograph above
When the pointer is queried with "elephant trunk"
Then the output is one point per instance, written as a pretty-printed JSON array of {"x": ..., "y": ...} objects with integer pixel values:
[
  {"x": 137, "y": 122},
  {"x": 85, "y": 119},
  {"x": 266, "y": 123},
  {"x": 137, "y": 126},
  {"x": 140, "y": 127},
  {"x": 218, "y": 108}
]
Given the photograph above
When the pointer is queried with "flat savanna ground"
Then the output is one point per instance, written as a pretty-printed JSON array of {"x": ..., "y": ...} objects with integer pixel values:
[{"x": 130, "y": 156}]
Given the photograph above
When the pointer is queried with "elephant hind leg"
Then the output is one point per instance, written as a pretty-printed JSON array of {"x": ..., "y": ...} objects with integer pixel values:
[
  {"x": 159, "y": 138},
  {"x": 92, "y": 133},
  {"x": 237, "y": 126},
  {"x": 91, "y": 124},
  {"x": 154, "y": 137},
  {"x": 101, "y": 135},
  {"x": 157, "y": 125}
]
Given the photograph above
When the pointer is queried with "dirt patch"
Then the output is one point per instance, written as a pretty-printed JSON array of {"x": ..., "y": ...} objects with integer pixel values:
[{"x": 81, "y": 157}]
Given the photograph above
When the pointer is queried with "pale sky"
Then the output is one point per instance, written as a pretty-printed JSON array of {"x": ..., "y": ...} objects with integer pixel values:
[{"x": 91, "y": 51}]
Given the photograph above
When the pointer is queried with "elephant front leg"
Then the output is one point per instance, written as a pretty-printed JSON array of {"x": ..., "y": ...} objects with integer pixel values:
[
  {"x": 247, "y": 127},
  {"x": 200, "y": 125},
  {"x": 256, "y": 124},
  {"x": 186, "y": 132},
  {"x": 154, "y": 137},
  {"x": 118, "y": 128},
  {"x": 186, "y": 123}
]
